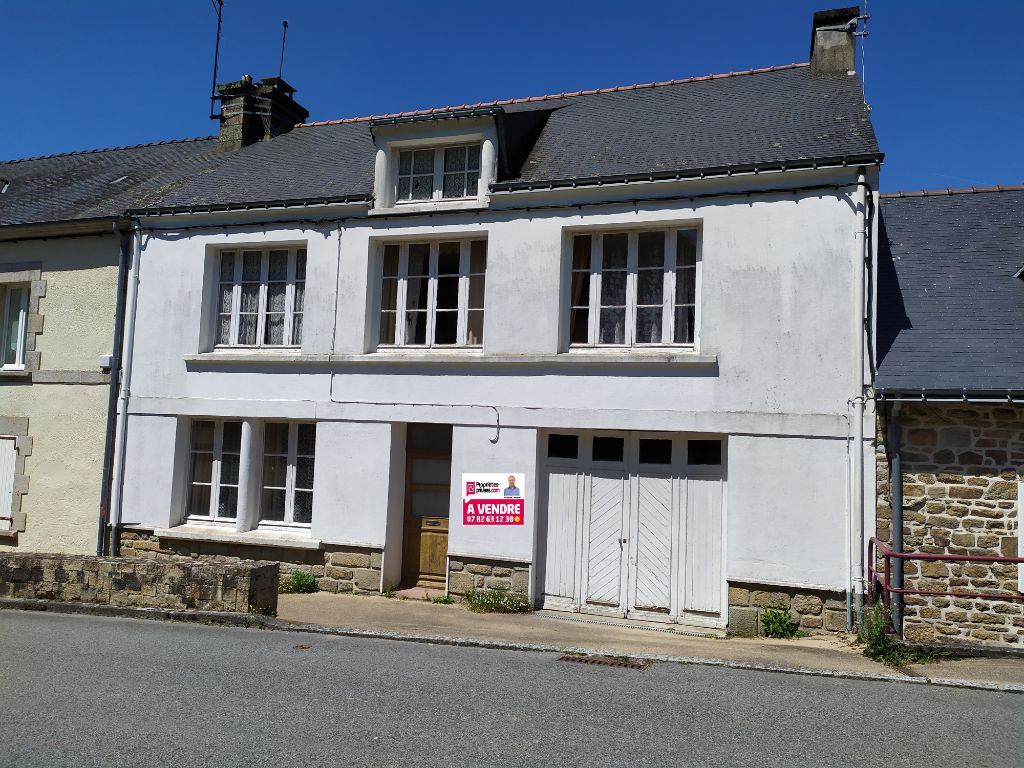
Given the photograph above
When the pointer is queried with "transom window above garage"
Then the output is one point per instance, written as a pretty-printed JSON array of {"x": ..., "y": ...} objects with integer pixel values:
[
  {"x": 432, "y": 294},
  {"x": 634, "y": 288},
  {"x": 443, "y": 173}
]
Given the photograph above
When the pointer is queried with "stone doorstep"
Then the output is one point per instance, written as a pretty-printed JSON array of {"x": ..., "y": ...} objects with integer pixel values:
[{"x": 262, "y": 622}]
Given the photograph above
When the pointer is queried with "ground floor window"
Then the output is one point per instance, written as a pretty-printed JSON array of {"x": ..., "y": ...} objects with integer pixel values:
[
  {"x": 287, "y": 478},
  {"x": 215, "y": 462}
]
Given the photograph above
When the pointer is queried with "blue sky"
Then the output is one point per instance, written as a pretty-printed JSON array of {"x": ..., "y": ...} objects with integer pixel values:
[{"x": 944, "y": 78}]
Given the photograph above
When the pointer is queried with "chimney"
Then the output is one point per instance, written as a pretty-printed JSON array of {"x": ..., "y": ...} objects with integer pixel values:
[
  {"x": 832, "y": 48},
  {"x": 251, "y": 112}
]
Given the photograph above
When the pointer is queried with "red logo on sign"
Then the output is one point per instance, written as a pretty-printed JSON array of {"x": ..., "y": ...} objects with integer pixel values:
[{"x": 470, "y": 488}]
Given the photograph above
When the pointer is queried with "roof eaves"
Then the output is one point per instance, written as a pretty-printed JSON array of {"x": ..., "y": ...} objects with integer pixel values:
[
  {"x": 262, "y": 205},
  {"x": 949, "y": 394},
  {"x": 455, "y": 114},
  {"x": 744, "y": 169},
  {"x": 550, "y": 97}
]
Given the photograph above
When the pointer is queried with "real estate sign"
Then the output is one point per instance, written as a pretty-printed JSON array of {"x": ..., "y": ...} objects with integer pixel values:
[{"x": 494, "y": 498}]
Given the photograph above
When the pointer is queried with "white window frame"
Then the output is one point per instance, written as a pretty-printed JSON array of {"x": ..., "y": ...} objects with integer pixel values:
[
  {"x": 5, "y": 307},
  {"x": 400, "y": 342},
  {"x": 290, "y": 312},
  {"x": 215, "y": 475},
  {"x": 632, "y": 259},
  {"x": 289, "y": 489},
  {"x": 437, "y": 191}
]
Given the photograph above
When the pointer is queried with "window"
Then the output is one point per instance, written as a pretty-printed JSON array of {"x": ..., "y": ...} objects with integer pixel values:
[
  {"x": 215, "y": 461},
  {"x": 14, "y": 306},
  {"x": 261, "y": 298},
  {"x": 563, "y": 446},
  {"x": 287, "y": 485},
  {"x": 436, "y": 174},
  {"x": 704, "y": 452},
  {"x": 633, "y": 288},
  {"x": 608, "y": 449},
  {"x": 432, "y": 294}
]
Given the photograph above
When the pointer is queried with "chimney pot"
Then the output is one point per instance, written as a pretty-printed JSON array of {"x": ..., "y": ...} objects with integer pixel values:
[{"x": 832, "y": 42}]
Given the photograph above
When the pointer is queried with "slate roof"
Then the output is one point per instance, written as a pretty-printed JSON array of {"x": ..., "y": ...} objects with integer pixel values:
[
  {"x": 950, "y": 309},
  {"x": 99, "y": 183},
  {"x": 761, "y": 117},
  {"x": 769, "y": 118}
]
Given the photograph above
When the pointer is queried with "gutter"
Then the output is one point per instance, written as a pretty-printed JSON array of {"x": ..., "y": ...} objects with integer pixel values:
[
  {"x": 263, "y": 205},
  {"x": 744, "y": 169},
  {"x": 1005, "y": 396},
  {"x": 72, "y": 228}
]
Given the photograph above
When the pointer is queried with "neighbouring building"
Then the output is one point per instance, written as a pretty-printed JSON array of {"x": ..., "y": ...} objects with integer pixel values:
[
  {"x": 606, "y": 348},
  {"x": 63, "y": 234},
  {"x": 950, "y": 387}
]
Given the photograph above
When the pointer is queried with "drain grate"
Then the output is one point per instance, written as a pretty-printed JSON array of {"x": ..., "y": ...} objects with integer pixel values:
[{"x": 606, "y": 661}]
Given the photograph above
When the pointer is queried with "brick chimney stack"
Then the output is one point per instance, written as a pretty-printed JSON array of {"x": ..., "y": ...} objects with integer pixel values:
[
  {"x": 832, "y": 42},
  {"x": 251, "y": 112}
]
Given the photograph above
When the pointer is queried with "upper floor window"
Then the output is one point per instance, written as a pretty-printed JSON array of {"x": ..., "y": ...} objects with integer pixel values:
[
  {"x": 438, "y": 174},
  {"x": 633, "y": 288},
  {"x": 261, "y": 298},
  {"x": 432, "y": 294},
  {"x": 14, "y": 306}
]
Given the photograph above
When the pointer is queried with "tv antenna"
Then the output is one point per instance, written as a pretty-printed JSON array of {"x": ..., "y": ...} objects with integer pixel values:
[
  {"x": 218, "y": 8},
  {"x": 862, "y": 32},
  {"x": 284, "y": 35}
]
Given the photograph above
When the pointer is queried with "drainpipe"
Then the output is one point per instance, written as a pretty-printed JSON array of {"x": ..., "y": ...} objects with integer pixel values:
[
  {"x": 131, "y": 302},
  {"x": 115, "y": 376},
  {"x": 896, "y": 496},
  {"x": 857, "y": 512}
]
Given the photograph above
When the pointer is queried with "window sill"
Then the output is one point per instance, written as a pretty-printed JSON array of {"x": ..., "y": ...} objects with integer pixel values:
[
  {"x": 433, "y": 206},
  {"x": 15, "y": 373},
  {"x": 473, "y": 356},
  {"x": 218, "y": 534},
  {"x": 575, "y": 357}
]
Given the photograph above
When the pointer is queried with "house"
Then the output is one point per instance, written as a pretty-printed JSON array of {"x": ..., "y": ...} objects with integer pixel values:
[
  {"x": 63, "y": 235},
  {"x": 605, "y": 348},
  {"x": 950, "y": 385}
]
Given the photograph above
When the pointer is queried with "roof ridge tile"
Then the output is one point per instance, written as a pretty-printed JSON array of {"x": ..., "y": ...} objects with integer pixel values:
[
  {"x": 106, "y": 149},
  {"x": 972, "y": 190},
  {"x": 554, "y": 96}
]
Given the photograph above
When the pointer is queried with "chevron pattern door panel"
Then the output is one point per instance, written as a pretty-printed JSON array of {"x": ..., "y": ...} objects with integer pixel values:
[
  {"x": 561, "y": 560},
  {"x": 703, "y": 555},
  {"x": 604, "y": 531},
  {"x": 651, "y": 582}
]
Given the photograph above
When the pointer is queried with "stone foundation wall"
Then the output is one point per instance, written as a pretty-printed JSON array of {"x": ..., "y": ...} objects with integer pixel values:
[
  {"x": 336, "y": 568},
  {"x": 466, "y": 574},
  {"x": 814, "y": 610},
  {"x": 242, "y": 587},
  {"x": 960, "y": 468}
]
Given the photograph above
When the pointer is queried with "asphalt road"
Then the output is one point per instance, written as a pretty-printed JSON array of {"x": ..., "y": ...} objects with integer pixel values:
[{"x": 86, "y": 691}]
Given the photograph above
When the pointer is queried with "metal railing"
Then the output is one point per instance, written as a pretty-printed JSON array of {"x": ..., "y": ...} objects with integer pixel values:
[{"x": 888, "y": 590}]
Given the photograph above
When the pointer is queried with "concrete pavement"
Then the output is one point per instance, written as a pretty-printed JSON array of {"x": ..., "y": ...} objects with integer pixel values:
[
  {"x": 85, "y": 691},
  {"x": 824, "y": 653}
]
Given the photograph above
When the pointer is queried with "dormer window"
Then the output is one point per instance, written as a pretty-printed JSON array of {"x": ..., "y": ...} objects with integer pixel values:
[{"x": 448, "y": 173}]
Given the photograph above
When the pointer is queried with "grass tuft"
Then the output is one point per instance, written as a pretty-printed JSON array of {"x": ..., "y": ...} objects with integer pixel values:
[{"x": 497, "y": 601}]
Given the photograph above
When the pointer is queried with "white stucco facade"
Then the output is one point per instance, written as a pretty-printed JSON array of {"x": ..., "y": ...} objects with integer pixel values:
[{"x": 771, "y": 374}]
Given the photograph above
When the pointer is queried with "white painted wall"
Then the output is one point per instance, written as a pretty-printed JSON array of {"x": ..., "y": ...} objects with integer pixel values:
[{"x": 775, "y": 304}]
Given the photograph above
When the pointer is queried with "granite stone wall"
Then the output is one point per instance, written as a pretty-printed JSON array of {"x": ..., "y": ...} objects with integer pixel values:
[
  {"x": 813, "y": 610},
  {"x": 960, "y": 469},
  {"x": 465, "y": 574},
  {"x": 336, "y": 568},
  {"x": 242, "y": 587}
]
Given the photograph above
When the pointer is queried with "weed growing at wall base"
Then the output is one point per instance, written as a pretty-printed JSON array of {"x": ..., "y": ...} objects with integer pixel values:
[
  {"x": 300, "y": 582},
  {"x": 497, "y": 601},
  {"x": 880, "y": 646},
  {"x": 777, "y": 622}
]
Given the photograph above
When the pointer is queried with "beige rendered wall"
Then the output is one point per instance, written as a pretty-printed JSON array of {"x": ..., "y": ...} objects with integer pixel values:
[{"x": 66, "y": 418}]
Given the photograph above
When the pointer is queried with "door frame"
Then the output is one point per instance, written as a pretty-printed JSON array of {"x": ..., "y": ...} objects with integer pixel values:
[{"x": 678, "y": 471}]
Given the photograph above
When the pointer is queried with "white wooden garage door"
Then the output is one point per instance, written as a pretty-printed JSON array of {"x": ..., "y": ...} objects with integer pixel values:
[{"x": 634, "y": 526}]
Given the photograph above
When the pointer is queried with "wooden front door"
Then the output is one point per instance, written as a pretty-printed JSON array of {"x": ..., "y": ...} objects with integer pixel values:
[{"x": 428, "y": 470}]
